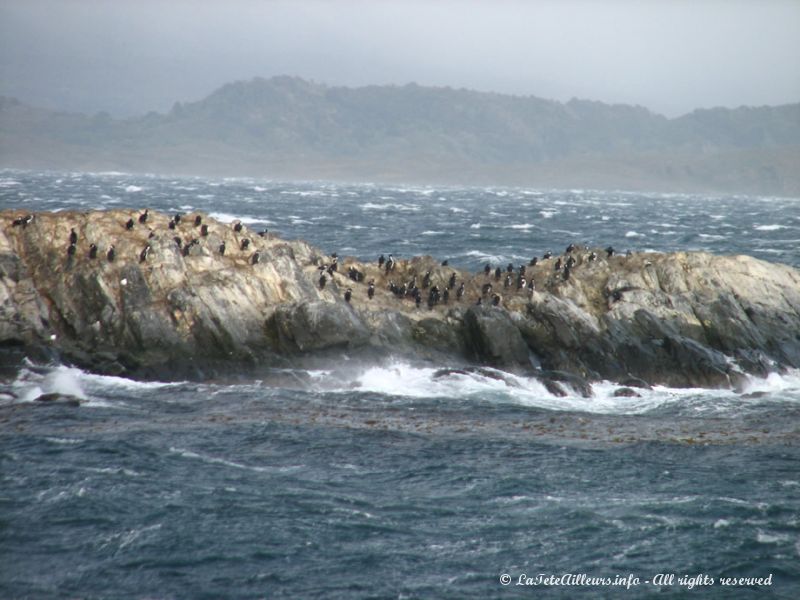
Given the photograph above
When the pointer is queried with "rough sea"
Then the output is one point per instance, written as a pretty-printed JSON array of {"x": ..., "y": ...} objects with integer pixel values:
[{"x": 382, "y": 481}]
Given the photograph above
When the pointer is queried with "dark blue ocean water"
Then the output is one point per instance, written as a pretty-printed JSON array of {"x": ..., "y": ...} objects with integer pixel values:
[{"x": 383, "y": 481}]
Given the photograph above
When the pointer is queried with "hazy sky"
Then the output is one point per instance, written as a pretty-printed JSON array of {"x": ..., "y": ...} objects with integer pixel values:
[{"x": 128, "y": 57}]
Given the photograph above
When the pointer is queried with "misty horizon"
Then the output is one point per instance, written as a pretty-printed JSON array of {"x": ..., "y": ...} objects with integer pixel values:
[
  {"x": 331, "y": 85},
  {"x": 672, "y": 58}
]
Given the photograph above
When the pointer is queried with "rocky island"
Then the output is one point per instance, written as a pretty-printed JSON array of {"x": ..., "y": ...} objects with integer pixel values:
[{"x": 148, "y": 295}]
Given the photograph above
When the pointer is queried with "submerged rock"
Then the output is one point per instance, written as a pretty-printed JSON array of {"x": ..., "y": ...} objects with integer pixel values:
[
  {"x": 158, "y": 310},
  {"x": 56, "y": 398}
]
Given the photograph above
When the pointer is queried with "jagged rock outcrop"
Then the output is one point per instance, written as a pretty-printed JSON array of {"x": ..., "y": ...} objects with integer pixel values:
[{"x": 183, "y": 308}]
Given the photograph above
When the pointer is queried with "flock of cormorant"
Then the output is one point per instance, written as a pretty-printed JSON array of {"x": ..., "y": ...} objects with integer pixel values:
[{"x": 514, "y": 279}]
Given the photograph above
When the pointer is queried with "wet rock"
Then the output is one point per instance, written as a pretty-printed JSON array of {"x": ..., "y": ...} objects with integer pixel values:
[
  {"x": 310, "y": 326},
  {"x": 493, "y": 338},
  {"x": 626, "y": 392},
  {"x": 56, "y": 398},
  {"x": 570, "y": 380}
]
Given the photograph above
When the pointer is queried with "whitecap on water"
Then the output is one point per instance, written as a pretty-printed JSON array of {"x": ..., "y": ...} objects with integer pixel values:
[
  {"x": 405, "y": 380},
  {"x": 229, "y": 218}
]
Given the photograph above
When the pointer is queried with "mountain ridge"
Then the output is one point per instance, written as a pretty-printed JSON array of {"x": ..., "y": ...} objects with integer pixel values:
[{"x": 289, "y": 127}]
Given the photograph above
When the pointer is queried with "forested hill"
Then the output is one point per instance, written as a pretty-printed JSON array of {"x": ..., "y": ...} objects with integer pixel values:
[{"x": 287, "y": 127}]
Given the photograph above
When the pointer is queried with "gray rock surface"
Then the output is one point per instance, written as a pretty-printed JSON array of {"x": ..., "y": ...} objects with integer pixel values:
[{"x": 682, "y": 319}]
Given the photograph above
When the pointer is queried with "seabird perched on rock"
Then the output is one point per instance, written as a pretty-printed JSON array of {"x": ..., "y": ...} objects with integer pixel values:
[
  {"x": 255, "y": 258},
  {"x": 452, "y": 282},
  {"x": 129, "y": 224},
  {"x": 178, "y": 241},
  {"x": 479, "y": 302},
  {"x": 610, "y": 251},
  {"x": 533, "y": 262},
  {"x": 264, "y": 233},
  {"x": 237, "y": 226},
  {"x": 245, "y": 243},
  {"x": 177, "y": 218},
  {"x": 381, "y": 260},
  {"x": 570, "y": 248},
  {"x": 495, "y": 300},
  {"x": 348, "y": 294},
  {"x": 371, "y": 289},
  {"x": 171, "y": 224},
  {"x": 204, "y": 230},
  {"x": 566, "y": 272},
  {"x": 92, "y": 251},
  {"x": 460, "y": 291},
  {"x": 73, "y": 237},
  {"x": 445, "y": 263},
  {"x": 22, "y": 221},
  {"x": 426, "y": 280},
  {"x": 222, "y": 248},
  {"x": 507, "y": 282},
  {"x": 152, "y": 235},
  {"x": 71, "y": 249},
  {"x": 445, "y": 296},
  {"x": 509, "y": 268},
  {"x": 390, "y": 263},
  {"x": 547, "y": 255},
  {"x": 487, "y": 268},
  {"x": 198, "y": 220},
  {"x": 188, "y": 247},
  {"x": 322, "y": 281},
  {"x": 558, "y": 264},
  {"x": 111, "y": 253},
  {"x": 486, "y": 289},
  {"x": 571, "y": 262},
  {"x": 593, "y": 257},
  {"x": 498, "y": 273},
  {"x": 143, "y": 254},
  {"x": 143, "y": 217}
]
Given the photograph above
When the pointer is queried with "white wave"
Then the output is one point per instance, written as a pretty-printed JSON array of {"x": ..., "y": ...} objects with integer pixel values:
[
  {"x": 65, "y": 441},
  {"x": 455, "y": 209},
  {"x": 772, "y": 538},
  {"x": 548, "y": 214},
  {"x": 69, "y": 381},
  {"x": 229, "y": 218},
  {"x": 131, "y": 189},
  {"x": 229, "y": 463},
  {"x": 405, "y": 380},
  {"x": 774, "y": 227},
  {"x": 774, "y": 383},
  {"x": 634, "y": 234},
  {"x": 390, "y": 205},
  {"x": 475, "y": 226},
  {"x": 433, "y": 233},
  {"x": 492, "y": 258},
  {"x": 520, "y": 226}
]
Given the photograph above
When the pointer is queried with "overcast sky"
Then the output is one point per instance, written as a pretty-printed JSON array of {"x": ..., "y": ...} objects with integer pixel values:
[{"x": 671, "y": 56}]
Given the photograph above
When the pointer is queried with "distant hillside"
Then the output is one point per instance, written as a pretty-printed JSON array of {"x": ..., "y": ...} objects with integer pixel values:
[{"x": 289, "y": 128}]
